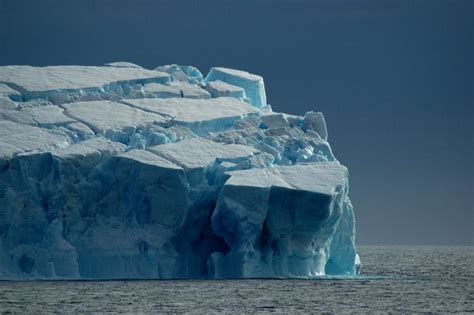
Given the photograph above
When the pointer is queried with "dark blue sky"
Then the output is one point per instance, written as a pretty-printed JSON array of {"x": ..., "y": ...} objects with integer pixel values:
[{"x": 393, "y": 78}]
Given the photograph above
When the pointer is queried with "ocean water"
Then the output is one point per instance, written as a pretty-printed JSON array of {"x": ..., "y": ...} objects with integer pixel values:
[{"x": 394, "y": 279}]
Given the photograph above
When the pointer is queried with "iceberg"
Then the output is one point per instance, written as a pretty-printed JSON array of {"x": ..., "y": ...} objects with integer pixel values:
[{"x": 119, "y": 172}]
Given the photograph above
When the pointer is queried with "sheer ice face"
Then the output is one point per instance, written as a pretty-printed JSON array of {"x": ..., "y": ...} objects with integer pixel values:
[
  {"x": 251, "y": 83},
  {"x": 123, "y": 172}
]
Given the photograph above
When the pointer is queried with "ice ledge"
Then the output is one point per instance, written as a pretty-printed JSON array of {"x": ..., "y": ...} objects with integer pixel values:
[{"x": 43, "y": 82}]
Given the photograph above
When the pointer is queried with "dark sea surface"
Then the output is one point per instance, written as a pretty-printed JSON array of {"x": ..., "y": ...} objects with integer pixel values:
[{"x": 394, "y": 279}]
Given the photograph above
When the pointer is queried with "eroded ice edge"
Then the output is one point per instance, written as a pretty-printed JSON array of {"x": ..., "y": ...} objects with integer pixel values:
[{"x": 123, "y": 172}]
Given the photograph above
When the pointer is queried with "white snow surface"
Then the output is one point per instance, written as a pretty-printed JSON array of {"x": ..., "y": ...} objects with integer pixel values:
[
  {"x": 299, "y": 177},
  {"x": 119, "y": 172},
  {"x": 199, "y": 152},
  {"x": 42, "y": 79}
]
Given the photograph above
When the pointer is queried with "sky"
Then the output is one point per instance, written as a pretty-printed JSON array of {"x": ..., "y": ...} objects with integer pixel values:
[{"x": 394, "y": 80}]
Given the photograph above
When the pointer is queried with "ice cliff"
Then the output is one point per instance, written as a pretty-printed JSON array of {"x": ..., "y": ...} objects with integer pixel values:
[{"x": 123, "y": 172}]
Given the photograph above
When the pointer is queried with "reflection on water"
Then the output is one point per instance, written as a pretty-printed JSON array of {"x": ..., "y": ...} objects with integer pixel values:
[{"x": 399, "y": 279}]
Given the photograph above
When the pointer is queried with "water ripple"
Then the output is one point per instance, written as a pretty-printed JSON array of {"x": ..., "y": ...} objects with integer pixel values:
[{"x": 394, "y": 279}]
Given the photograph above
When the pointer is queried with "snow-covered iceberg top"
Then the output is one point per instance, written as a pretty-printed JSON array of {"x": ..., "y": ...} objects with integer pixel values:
[{"x": 122, "y": 172}]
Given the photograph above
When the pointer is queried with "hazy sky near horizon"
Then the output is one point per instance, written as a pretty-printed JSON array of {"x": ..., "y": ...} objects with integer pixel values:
[{"x": 394, "y": 79}]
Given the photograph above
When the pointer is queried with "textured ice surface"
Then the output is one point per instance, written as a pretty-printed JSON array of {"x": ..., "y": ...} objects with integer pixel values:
[
  {"x": 122, "y": 172},
  {"x": 200, "y": 116},
  {"x": 111, "y": 119},
  {"x": 188, "y": 74},
  {"x": 17, "y": 138}
]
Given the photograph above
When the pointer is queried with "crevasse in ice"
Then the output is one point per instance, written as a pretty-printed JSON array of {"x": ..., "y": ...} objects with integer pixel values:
[{"x": 123, "y": 172}]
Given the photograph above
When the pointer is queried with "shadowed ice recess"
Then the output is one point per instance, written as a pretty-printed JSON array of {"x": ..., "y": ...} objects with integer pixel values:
[{"x": 120, "y": 172}]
